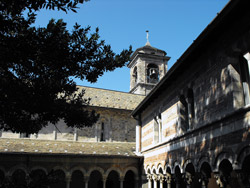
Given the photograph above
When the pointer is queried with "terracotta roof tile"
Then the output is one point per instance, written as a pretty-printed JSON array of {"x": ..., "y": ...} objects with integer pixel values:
[
  {"x": 112, "y": 99},
  {"x": 10, "y": 145}
]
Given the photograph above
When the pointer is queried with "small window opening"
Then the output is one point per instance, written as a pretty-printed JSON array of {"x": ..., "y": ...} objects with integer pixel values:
[
  {"x": 135, "y": 74},
  {"x": 152, "y": 73},
  {"x": 183, "y": 114},
  {"x": 191, "y": 115},
  {"x": 244, "y": 73},
  {"x": 102, "y": 132},
  {"x": 157, "y": 129},
  {"x": 24, "y": 135}
]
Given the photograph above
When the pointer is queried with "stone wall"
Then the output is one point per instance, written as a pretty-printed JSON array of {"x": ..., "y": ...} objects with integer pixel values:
[{"x": 201, "y": 111}]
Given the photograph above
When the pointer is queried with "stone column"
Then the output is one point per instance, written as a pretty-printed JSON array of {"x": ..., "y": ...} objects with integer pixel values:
[
  {"x": 55, "y": 133},
  {"x": 75, "y": 134},
  {"x": 155, "y": 178},
  {"x": 138, "y": 135},
  {"x": 104, "y": 179},
  {"x": 219, "y": 180},
  {"x": 68, "y": 179},
  {"x": 168, "y": 180},
  {"x": 121, "y": 182},
  {"x": 149, "y": 177},
  {"x": 247, "y": 57},
  {"x": 137, "y": 182},
  {"x": 204, "y": 179},
  {"x": 188, "y": 179},
  {"x": 178, "y": 180},
  {"x": 161, "y": 179},
  {"x": 86, "y": 180}
]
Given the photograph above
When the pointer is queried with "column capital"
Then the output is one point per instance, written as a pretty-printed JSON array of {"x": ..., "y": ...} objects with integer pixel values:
[
  {"x": 168, "y": 178},
  {"x": 160, "y": 177},
  {"x": 154, "y": 177},
  {"x": 86, "y": 178},
  {"x": 247, "y": 56},
  {"x": 149, "y": 177},
  {"x": 219, "y": 180},
  {"x": 104, "y": 178},
  {"x": 188, "y": 177},
  {"x": 121, "y": 178}
]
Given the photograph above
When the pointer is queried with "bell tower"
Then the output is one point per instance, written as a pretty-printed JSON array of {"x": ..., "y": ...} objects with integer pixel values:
[{"x": 147, "y": 66}]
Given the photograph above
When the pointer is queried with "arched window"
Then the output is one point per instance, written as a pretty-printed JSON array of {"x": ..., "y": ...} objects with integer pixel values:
[
  {"x": 191, "y": 115},
  {"x": 244, "y": 74},
  {"x": 157, "y": 129},
  {"x": 183, "y": 114},
  {"x": 152, "y": 73},
  {"x": 135, "y": 74},
  {"x": 102, "y": 132}
]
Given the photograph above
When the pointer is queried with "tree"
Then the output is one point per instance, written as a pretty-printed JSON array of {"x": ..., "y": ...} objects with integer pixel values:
[{"x": 38, "y": 67}]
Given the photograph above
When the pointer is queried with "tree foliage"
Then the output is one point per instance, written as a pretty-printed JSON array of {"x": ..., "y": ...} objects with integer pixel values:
[{"x": 38, "y": 65}]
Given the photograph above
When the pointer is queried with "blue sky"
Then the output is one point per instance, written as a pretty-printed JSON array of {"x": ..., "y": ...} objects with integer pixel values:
[{"x": 172, "y": 25}]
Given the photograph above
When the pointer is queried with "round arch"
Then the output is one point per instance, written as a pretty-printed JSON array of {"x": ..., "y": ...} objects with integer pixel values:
[
  {"x": 62, "y": 169},
  {"x": 160, "y": 167},
  {"x": 148, "y": 169},
  {"x": 203, "y": 159},
  {"x": 39, "y": 168},
  {"x": 244, "y": 152},
  {"x": 154, "y": 169},
  {"x": 220, "y": 157},
  {"x": 99, "y": 169},
  {"x": 21, "y": 167},
  {"x": 133, "y": 169},
  {"x": 113, "y": 169},
  {"x": 168, "y": 168},
  {"x": 176, "y": 164},
  {"x": 82, "y": 170},
  {"x": 187, "y": 162}
]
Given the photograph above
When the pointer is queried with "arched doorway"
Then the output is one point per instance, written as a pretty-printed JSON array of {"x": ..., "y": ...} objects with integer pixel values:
[
  {"x": 129, "y": 180},
  {"x": 152, "y": 73},
  {"x": 225, "y": 170},
  {"x": 19, "y": 179},
  {"x": 58, "y": 179},
  {"x": 113, "y": 180},
  {"x": 38, "y": 178},
  {"x": 2, "y": 176},
  {"x": 77, "y": 180},
  {"x": 179, "y": 183},
  {"x": 246, "y": 171},
  {"x": 190, "y": 175},
  {"x": 95, "y": 180}
]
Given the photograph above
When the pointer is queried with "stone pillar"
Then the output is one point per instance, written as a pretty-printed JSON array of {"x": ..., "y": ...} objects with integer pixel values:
[
  {"x": 155, "y": 178},
  {"x": 86, "y": 180},
  {"x": 104, "y": 179},
  {"x": 121, "y": 182},
  {"x": 68, "y": 179},
  {"x": 247, "y": 57},
  {"x": 137, "y": 182},
  {"x": 204, "y": 179},
  {"x": 168, "y": 180},
  {"x": 138, "y": 135},
  {"x": 55, "y": 133},
  {"x": 188, "y": 179},
  {"x": 219, "y": 180},
  {"x": 149, "y": 177},
  {"x": 161, "y": 179},
  {"x": 75, "y": 134},
  {"x": 178, "y": 181}
]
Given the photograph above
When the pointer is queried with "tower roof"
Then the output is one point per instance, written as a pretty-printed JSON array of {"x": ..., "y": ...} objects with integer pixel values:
[{"x": 147, "y": 50}]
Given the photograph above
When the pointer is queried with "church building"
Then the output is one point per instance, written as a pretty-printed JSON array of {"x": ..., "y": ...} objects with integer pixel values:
[{"x": 186, "y": 127}]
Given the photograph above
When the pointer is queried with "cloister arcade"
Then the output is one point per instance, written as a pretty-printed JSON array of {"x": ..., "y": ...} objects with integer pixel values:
[
  {"x": 225, "y": 172},
  {"x": 75, "y": 178}
]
